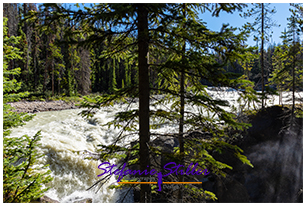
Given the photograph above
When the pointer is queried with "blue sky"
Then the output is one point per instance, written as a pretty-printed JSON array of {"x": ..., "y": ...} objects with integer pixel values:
[
  {"x": 280, "y": 17},
  {"x": 215, "y": 23}
]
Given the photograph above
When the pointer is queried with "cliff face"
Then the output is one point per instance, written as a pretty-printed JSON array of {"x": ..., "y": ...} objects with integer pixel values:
[
  {"x": 275, "y": 151},
  {"x": 277, "y": 155}
]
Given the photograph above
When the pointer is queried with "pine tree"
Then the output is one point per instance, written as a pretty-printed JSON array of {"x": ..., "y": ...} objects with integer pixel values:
[
  {"x": 83, "y": 74},
  {"x": 156, "y": 26},
  {"x": 57, "y": 64},
  {"x": 21, "y": 181},
  {"x": 127, "y": 74},
  {"x": 295, "y": 50},
  {"x": 279, "y": 77},
  {"x": 36, "y": 64},
  {"x": 113, "y": 82},
  {"x": 196, "y": 67},
  {"x": 262, "y": 24},
  {"x": 288, "y": 58}
]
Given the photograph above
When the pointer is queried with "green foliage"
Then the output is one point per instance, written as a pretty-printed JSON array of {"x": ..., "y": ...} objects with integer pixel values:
[
  {"x": 22, "y": 181},
  {"x": 199, "y": 63},
  {"x": 72, "y": 65},
  {"x": 204, "y": 59},
  {"x": 199, "y": 151},
  {"x": 287, "y": 59},
  {"x": 262, "y": 24},
  {"x": 210, "y": 195},
  {"x": 280, "y": 76},
  {"x": 113, "y": 82},
  {"x": 256, "y": 11},
  {"x": 10, "y": 85}
]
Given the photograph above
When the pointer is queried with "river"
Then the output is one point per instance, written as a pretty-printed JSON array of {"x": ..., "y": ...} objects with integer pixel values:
[{"x": 65, "y": 132}]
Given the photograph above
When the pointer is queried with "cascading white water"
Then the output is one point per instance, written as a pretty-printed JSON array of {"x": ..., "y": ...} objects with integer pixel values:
[{"x": 64, "y": 132}]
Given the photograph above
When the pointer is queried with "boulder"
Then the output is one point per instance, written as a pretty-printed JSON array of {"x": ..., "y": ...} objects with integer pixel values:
[
  {"x": 229, "y": 190},
  {"x": 166, "y": 143},
  {"x": 45, "y": 199},
  {"x": 87, "y": 200}
]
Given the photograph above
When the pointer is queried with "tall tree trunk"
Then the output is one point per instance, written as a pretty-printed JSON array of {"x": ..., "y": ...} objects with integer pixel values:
[
  {"x": 182, "y": 110},
  {"x": 69, "y": 76},
  {"x": 35, "y": 65},
  {"x": 113, "y": 82},
  {"x": 52, "y": 77},
  {"x": 262, "y": 53},
  {"x": 26, "y": 68},
  {"x": 59, "y": 83},
  {"x": 127, "y": 74},
  {"x": 293, "y": 79},
  {"x": 46, "y": 70},
  {"x": 144, "y": 92},
  {"x": 293, "y": 87}
]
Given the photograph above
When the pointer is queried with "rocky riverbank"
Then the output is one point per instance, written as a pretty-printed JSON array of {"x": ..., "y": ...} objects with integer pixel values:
[{"x": 42, "y": 106}]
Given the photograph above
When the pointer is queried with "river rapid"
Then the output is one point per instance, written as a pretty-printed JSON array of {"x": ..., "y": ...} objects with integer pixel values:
[{"x": 65, "y": 132}]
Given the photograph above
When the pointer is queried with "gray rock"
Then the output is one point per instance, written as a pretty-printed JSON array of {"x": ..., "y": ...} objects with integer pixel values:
[
  {"x": 45, "y": 199},
  {"x": 35, "y": 110},
  {"x": 166, "y": 143},
  {"x": 87, "y": 200},
  {"x": 230, "y": 190}
]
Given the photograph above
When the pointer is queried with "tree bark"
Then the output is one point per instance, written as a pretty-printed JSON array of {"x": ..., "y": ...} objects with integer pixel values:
[
  {"x": 36, "y": 75},
  {"x": 144, "y": 131},
  {"x": 293, "y": 79},
  {"x": 52, "y": 77},
  {"x": 26, "y": 67},
  {"x": 59, "y": 83},
  {"x": 45, "y": 70},
  {"x": 261, "y": 56},
  {"x": 182, "y": 111}
]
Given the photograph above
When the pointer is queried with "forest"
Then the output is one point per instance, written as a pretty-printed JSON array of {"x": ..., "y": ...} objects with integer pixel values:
[{"x": 164, "y": 58}]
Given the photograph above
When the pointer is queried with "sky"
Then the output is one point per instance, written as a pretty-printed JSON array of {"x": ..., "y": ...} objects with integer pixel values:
[
  {"x": 215, "y": 23},
  {"x": 280, "y": 17}
]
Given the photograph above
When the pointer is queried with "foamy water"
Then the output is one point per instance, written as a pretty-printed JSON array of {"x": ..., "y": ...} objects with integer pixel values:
[{"x": 65, "y": 132}]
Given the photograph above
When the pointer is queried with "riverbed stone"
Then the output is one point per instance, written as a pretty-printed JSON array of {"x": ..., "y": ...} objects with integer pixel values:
[
  {"x": 87, "y": 200},
  {"x": 46, "y": 199}
]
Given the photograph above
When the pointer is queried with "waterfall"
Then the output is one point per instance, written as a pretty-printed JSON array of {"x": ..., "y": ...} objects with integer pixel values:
[{"x": 65, "y": 132}]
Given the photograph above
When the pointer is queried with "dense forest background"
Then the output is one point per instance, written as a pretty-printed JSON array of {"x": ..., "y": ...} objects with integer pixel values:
[{"x": 50, "y": 66}]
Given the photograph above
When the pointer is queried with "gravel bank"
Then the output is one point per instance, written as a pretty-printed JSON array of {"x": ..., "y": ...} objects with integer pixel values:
[{"x": 41, "y": 106}]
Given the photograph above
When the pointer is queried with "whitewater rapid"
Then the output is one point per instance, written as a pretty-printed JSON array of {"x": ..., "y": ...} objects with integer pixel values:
[{"x": 65, "y": 132}]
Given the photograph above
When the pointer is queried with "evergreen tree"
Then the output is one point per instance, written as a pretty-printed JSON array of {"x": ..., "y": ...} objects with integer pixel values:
[
  {"x": 21, "y": 181},
  {"x": 289, "y": 62},
  {"x": 57, "y": 64},
  {"x": 84, "y": 71},
  {"x": 36, "y": 51},
  {"x": 279, "y": 77},
  {"x": 113, "y": 82},
  {"x": 127, "y": 74},
  {"x": 147, "y": 27},
  {"x": 262, "y": 24},
  {"x": 196, "y": 67}
]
